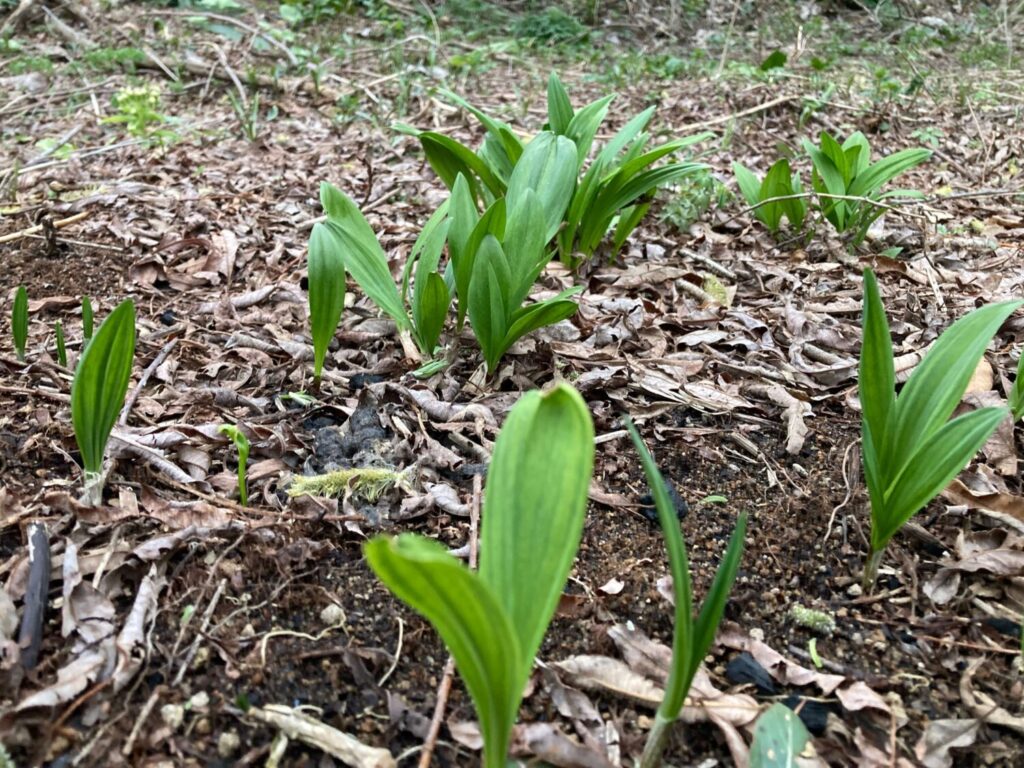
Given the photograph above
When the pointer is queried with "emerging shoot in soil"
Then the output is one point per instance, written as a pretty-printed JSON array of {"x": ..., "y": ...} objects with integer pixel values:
[
  {"x": 326, "y": 275},
  {"x": 62, "y": 352},
  {"x": 19, "y": 322},
  {"x": 911, "y": 449},
  {"x": 493, "y": 621},
  {"x": 691, "y": 639},
  {"x": 98, "y": 390},
  {"x": 87, "y": 318},
  {"x": 242, "y": 445}
]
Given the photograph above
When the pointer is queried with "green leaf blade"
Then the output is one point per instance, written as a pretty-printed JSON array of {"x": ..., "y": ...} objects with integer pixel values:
[
  {"x": 326, "y": 280},
  {"x": 19, "y": 322}
]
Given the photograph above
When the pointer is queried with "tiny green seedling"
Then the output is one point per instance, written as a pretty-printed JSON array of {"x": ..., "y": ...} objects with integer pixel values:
[
  {"x": 493, "y": 620},
  {"x": 19, "y": 322},
  {"x": 98, "y": 390},
  {"x": 87, "y": 318},
  {"x": 62, "y": 352},
  {"x": 691, "y": 639},
  {"x": 911, "y": 449},
  {"x": 779, "y": 194},
  {"x": 849, "y": 185},
  {"x": 242, "y": 446}
]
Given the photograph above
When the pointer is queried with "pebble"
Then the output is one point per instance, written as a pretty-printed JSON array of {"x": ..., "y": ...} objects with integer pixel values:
[
  {"x": 173, "y": 715},
  {"x": 332, "y": 615},
  {"x": 227, "y": 744},
  {"x": 854, "y": 590}
]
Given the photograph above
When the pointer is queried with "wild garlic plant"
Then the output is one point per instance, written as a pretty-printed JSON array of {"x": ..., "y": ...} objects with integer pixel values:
[
  {"x": 237, "y": 436},
  {"x": 19, "y": 322},
  {"x": 611, "y": 196},
  {"x": 98, "y": 391},
  {"x": 494, "y": 258},
  {"x": 493, "y": 620},
  {"x": 911, "y": 450},
  {"x": 690, "y": 638}
]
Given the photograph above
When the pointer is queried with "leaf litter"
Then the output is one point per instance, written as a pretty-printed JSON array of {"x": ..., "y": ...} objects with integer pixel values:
[{"x": 736, "y": 354}]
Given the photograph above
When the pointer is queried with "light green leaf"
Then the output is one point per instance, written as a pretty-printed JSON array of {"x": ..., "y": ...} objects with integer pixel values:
[
  {"x": 749, "y": 186},
  {"x": 430, "y": 310},
  {"x": 326, "y": 274},
  {"x": 534, "y": 509},
  {"x": 488, "y": 311},
  {"x": 471, "y": 621},
  {"x": 584, "y": 127},
  {"x": 877, "y": 376},
  {"x": 560, "y": 111},
  {"x": 871, "y": 180},
  {"x": 779, "y": 738},
  {"x": 100, "y": 384},
  {"x": 19, "y": 321},
  {"x": 548, "y": 167}
]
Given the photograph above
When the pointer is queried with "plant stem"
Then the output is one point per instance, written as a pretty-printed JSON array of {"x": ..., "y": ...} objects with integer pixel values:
[
  {"x": 871, "y": 570},
  {"x": 92, "y": 488},
  {"x": 657, "y": 738}
]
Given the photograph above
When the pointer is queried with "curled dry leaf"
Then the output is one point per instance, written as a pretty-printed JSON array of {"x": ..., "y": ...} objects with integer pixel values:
[{"x": 940, "y": 736}]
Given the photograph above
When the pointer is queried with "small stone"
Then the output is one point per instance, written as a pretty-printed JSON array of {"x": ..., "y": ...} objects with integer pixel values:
[
  {"x": 854, "y": 590},
  {"x": 227, "y": 744},
  {"x": 203, "y": 726},
  {"x": 173, "y": 715},
  {"x": 757, "y": 634},
  {"x": 248, "y": 631},
  {"x": 200, "y": 700},
  {"x": 332, "y": 615}
]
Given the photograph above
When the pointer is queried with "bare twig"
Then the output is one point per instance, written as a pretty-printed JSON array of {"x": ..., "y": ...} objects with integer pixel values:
[
  {"x": 157, "y": 362},
  {"x": 39, "y": 227}
]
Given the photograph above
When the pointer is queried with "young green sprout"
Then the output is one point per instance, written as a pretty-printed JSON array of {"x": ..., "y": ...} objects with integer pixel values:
[
  {"x": 19, "y": 322},
  {"x": 87, "y": 318},
  {"x": 326, "y": 275},
  {"x": 62, "y": 352},
  {"x": 691, "y": 639},
  {"x": 911, "y": 449},
  {"x": 1017, "y": 391},
  {"x": 98, "y": 390},
  {"x": 493, "y": 620},
  {"x": 242, "y": 446}
]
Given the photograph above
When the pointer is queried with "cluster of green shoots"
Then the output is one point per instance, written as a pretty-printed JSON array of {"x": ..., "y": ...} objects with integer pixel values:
[
  {"x": 514, "y": 205},
  {"x": 493, "y": 620},
  {"x": 911, "y": 448},
  {"x": 847, "y": 186}
]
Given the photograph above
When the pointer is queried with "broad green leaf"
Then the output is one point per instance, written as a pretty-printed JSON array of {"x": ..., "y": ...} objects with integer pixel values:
[
  {"x": 749, "y": 186},
  {"x": 488, "y": 311},
  {"x": 560, "y": 111},
  {"x": 828, "y": 179},
  {"x": 779, "y": 738},
  {"x": 876, "y": 377},
  {"x": 364, "y": 259},
  {"x": 534, "y": 508},
  {"x": 524, "y": 246},
  {"x": 471, "y": 621},
  {"x": 425, "y": 254},
  {"x": 937, "y": 460},
  {"x": 937, "y": 384},
  {"x": 326, "y": 276},
  {"x": 19, "y": 321},
  {"x": 835, "y": 152},
  {"x": 100, "y": 384},
  {"x": 584, "y": 127},
  {"x": 871, "y": 180},
  {"x": 548, "y": 312},
  {"x": 464, "y": 218},
  {"x": 430, "y": 310},
  {"x": 862, "y": 159},
  {"x": 449, "y": 158},
  {"x": 548, "y": 167},
  {"x": 777, "y": 183}
]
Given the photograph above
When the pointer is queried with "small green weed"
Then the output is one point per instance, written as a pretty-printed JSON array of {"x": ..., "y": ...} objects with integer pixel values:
[{"x": 138, "y": 109}]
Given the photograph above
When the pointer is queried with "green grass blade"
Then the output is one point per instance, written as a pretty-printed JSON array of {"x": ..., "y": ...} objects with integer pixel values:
[
  {"x": 470, "y": 620},
  {"x": 19, "y": 322},
  {"x": 538, "y": 315},
  {"x": 629, "y": 219},
  {"x": 937, "y": 384},
  {"x": 932, "y": 467},
  {"x": 534, "y": 508},
  {"x": 876, "y": 176},
  {"x": 326, "y": 278},
  {"x": 1017, "y": 392},
  {"x": 100, "y": 384}
]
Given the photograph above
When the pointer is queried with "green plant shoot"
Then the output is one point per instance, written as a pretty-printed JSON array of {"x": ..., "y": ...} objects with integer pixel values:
[
  {"x": 779, "y": 182},
  {"x": 87, "y": 318},
  {"x": 19, "y": 322},
  {"x": 691, "y": 638},
  {"x": 493, "y": 621},
  {"x": 326, "y": 278},
  {"x": 1017, "y": 391},
  {"x": 242, "y": 446},
  {"x": 843, "y": 172},
  {"x": 98, "y": 390},
  {"x": 62, "y": 352},
  {"x": 910, "y": 447}
]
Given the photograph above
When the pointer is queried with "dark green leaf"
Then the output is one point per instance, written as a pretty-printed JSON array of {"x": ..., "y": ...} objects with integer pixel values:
[{"x": 326, "y": 273}]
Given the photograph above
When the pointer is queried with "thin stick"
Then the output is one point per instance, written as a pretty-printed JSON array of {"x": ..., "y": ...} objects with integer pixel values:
[
  {"x": 194, "y": 648},
  {"x": 444, "y": 689},
  {"x": 39, "y": 227},
  {"x": 736, "y": 115},
  {"x": 144, "y": 713}
]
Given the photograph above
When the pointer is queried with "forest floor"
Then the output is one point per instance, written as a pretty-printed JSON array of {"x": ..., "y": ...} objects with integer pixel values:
[{"x": 177, "y": 154}]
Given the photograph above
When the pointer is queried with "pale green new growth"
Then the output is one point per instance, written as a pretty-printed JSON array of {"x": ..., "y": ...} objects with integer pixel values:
[
  {"x": 19, "y": 322},
  {"x": 911, "y": 449},
  {"x": 493, "y": 621},
  {"x": 367, "y": 482},
  {"x": 98, "y": 390},
  {"x": 1017, "y": 391},
  {"x": 242, "y": 446}
]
